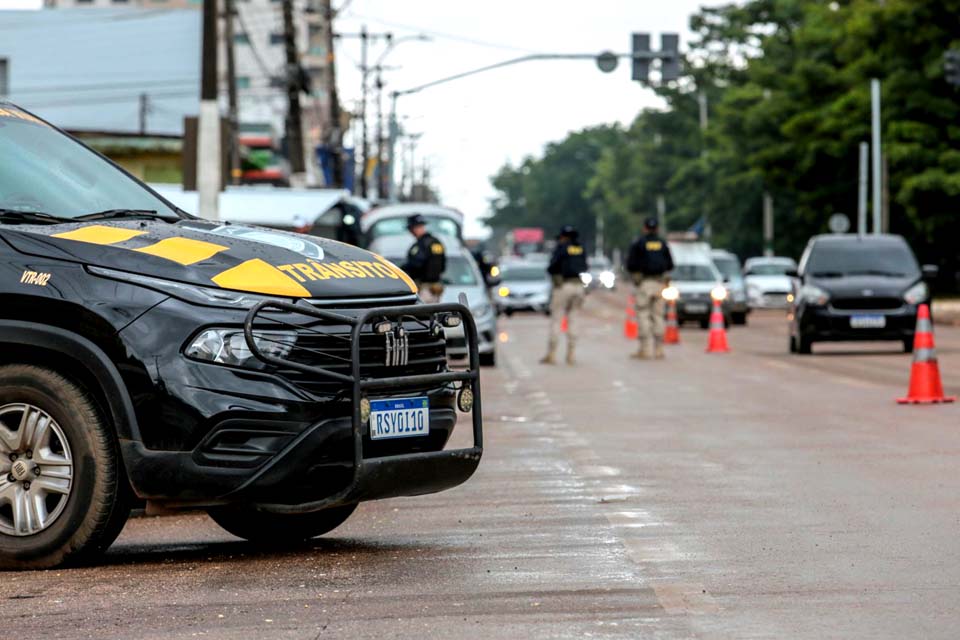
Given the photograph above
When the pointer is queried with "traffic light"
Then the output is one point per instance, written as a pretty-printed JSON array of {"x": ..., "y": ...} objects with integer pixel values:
[
  {"x": 669, "y": 57},
  {"x": 951, "y": 66},
  {"x": 641, "y": 57}
]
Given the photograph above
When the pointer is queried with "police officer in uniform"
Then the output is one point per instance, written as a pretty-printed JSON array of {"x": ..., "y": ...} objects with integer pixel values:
[
  {"x": 426, "y": 260},
  {"x": 648, "y": 262},
  {"x": 566, "y": 264}
]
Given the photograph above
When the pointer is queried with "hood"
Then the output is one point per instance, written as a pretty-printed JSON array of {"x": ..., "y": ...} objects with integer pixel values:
[
  {"x": 236, "y": 257},
  {"x": 476, "y": 295},
  {"x": 865, "y": 286},
  {"x": 771, "y": 282}
]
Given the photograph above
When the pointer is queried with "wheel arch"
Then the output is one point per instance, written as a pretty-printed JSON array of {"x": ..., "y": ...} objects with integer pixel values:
[{"x": 76, "y": 357}]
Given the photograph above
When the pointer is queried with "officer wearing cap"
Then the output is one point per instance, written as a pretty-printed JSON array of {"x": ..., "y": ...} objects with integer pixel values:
[
  {"x": 566, "y": 264},
  {"x": 426, "y": 260},
  {"x": 649, "y": 261}
]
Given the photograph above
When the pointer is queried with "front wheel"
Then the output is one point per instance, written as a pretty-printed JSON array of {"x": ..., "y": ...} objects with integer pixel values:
[
  {"x": 804, "y": 346},
  {"x": 488, "y": 359},
  {"x": 739, "y": 317},
  {"x": 908, "y": 345},
  {"x": 63, "y": 491},
  {"x": 245, "y": 521}
]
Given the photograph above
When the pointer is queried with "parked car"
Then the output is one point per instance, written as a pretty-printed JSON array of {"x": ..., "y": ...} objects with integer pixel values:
[
  {"x": 524, "y": 287},
  {"x": 391, "y": 220},
  {"x": 462, "y": 275},
  {"x": 729, "y": 266},
  {"x": 852, "y": 287},
  {"x": 767, "y": 282},
  {"x": 272, "y": 379}
]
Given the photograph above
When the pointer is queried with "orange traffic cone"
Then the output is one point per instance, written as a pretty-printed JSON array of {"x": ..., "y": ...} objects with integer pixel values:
[
  {"x": 925, "y": 386},
  {"x": 671, "y": 334},
  {"x": 717, "y": 340},
  {"x": 630, "y": 323},
  {"x": 563, "y": 325}
]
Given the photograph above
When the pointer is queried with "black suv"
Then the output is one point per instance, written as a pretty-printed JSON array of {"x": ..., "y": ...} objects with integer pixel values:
[
  {"x": 851, "y": 287},
  {"x": 272, "y": 379}
]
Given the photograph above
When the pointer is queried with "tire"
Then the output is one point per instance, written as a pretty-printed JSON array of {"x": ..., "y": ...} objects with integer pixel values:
[
  {"x": 908, "y": 345},
  {"x": 81, "y": 457},
  {"x": 488, "y": 359},
  {"x": 705, "y": 323},
  {"x": 739, "y": 317},
  {"x": 793, "y": 344},
  {"x": 261, "y": 527},
  {"x": 509, "y": 312},
  {"x": 804, "y": 346}
]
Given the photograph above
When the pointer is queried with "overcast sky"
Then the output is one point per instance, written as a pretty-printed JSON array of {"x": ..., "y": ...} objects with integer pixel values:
[{"x": 472, "y": 126}]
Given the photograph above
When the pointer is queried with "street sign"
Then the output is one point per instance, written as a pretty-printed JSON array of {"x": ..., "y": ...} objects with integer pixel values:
[
  {"x": 607, "y": 61},
  {"x": 839, "y": 223}
]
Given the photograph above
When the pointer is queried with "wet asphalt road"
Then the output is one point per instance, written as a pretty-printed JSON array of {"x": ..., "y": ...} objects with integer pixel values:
[{"x": 747, "y": 495}]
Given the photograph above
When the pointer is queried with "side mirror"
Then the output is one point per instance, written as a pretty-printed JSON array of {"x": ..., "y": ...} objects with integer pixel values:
[
  {"x": 792, "y": 273},
  {"x": 930, "y": 271}
]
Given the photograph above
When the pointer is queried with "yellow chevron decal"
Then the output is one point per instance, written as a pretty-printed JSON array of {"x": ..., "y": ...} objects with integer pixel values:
[
  {"x": 259, "y": 277},
  {"x": 99, "y": 234},
  {"x": 183, "y": 250},
  {"x": 397, "y": 270}
]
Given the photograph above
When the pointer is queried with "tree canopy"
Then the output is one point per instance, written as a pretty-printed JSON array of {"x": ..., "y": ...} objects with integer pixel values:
[{"x": 787, "y": 86}]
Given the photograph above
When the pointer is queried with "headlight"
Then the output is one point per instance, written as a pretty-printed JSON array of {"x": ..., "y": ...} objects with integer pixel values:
[
  {"x": 670, "y": 293},
  {"x": 917, "y": 293},
  {"x": 718, "y": 293},
  {"x": 814, "y": 295},
  {"x": 503, "y": 292},
  {"x": 494, "y": 271},
  {"x": 229, "y": 346},
  {"x": 586, "y": 278},
  {"x": 208, "y": 296},
  {"x": 607, "y": 279}
]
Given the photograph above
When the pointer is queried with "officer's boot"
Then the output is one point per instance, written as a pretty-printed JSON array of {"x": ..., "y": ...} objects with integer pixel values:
[
  {"x": 658, "y": 349},
  {"x": 642, "y": 353},
  {"x": 551, "y": 351},
  {"x": 570, "y": 359}
]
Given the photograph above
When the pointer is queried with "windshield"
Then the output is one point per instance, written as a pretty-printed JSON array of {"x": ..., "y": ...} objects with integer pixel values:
[
  {"x": 769, "y": 269},
  {"x": 44, "y": 171},
  {"x": 397, "y": 226},
  {"x": 862, "y": 258},
  {"x": 524, "y": 274},
  {"x": 693, "y": 273},
  {"x": 459, "y": 272},
  {"x": 728, "y": 267},
  {"x": 598, "y": 264}
]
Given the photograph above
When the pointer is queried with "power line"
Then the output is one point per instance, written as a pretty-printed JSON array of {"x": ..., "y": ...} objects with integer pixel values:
[{"x": 100, "y": 87}]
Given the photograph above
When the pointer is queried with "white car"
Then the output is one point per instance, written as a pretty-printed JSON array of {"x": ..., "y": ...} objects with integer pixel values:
[
  {"x": 391, "y": 220},
  {"x": 768, "y": 284}
]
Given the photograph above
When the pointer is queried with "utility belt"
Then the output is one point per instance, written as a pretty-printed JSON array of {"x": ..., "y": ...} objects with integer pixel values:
[
  {"x": 638, "y": 278},
  {"x": 559, "y": 281}
]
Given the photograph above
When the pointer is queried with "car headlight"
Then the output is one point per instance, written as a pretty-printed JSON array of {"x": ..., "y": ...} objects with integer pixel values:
[
  {"x": 586, "y": 278},
  {"x": 718, "y": 293},
  {"x": 229, "y": 346},
  {"x": 814, "y": 295},
  {"x": 917, "y": 293},
  {"x": 607, "y": 279},
  {"x": 208, "y": 296},
  {"x": 670, "y": 293},
  {"x": 494, "y": 271},
  {"x": 503, "y": 292}
]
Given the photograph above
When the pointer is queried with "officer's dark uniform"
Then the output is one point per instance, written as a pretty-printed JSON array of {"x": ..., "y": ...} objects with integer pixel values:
[
  {"x": 426, "y": 262},
  {"x": 568, "y": 261},
  {"x": 649, "y": 261}
]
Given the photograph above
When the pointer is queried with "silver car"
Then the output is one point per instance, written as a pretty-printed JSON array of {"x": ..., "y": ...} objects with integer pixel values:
[
  {"x": 524, "y": 286},
  {"x": 462, "y": 275}
]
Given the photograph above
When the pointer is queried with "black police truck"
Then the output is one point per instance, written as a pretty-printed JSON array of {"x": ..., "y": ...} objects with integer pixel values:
[{"x": 274, "y": 380}]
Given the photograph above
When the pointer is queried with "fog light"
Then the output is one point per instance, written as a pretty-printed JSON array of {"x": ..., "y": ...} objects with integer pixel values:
[
  {"x": 364, "y": 409},
  {"x": 451, "y": 320},
  {"x": 503, "y": 292},
  {"x": 465, "y": 400}
]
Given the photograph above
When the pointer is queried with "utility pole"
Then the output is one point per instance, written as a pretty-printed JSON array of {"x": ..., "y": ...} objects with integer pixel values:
[
  {"x": 862, "y": 188},
  {"x": 294, "y": 122},
  {"x": 234, "y": 122},
  {"x": 877, "y": 155},
  {"x": 381, "y": 173},
  {"x": 767, "y": 224},
  {"x": 208, "y": 135},
  {"x": 144, "y": 110},
  {"x": 334, "y": 135}
]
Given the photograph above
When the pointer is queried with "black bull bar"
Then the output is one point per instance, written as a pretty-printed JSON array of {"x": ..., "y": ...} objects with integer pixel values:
[{"x": 394, "y": 475}]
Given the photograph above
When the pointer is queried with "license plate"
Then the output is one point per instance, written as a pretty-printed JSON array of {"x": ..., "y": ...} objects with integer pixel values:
[
  {"x": 868, "y": 322},
  {"x": 695, "y": 307},
  {"x": 399, "y": 418}
]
